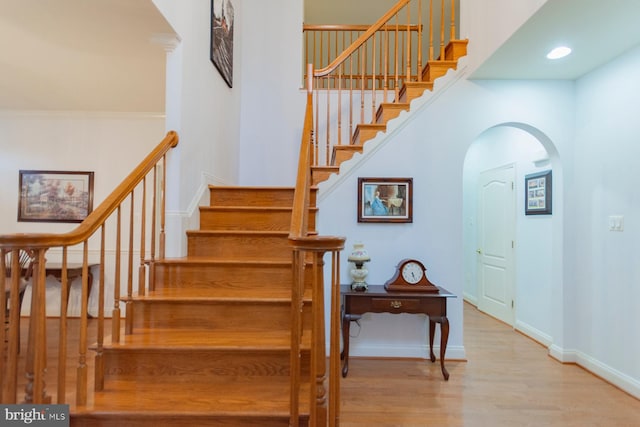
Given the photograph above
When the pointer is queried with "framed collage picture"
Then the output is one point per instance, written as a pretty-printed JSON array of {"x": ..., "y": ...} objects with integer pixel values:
[{"x": 537, "y": 200}]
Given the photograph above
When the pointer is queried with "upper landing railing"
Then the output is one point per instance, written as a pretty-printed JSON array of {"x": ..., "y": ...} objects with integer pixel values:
[{"x": 356, "y": 68}]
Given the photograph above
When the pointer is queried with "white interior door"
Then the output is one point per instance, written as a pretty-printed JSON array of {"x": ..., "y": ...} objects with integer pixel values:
[{"x": 496, "y": 238}]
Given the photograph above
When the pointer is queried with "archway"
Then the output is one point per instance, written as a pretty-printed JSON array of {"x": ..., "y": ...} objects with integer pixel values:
[{"x": 537, "y": 241}]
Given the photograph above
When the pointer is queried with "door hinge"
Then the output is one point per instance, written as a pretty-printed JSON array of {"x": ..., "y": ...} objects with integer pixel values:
[
  {"x": 513, "y": 244},
  {"x": 512, "y": 304},
  {"x": 513, "y": 185}
]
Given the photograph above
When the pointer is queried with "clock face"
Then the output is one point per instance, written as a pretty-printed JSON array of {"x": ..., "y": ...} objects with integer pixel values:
[{"x": 412, "y": 272}]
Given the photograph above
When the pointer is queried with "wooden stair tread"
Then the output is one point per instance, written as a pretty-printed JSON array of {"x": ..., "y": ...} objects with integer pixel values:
[
  {"x": 231, "y": 262},
  {"x": 390, "y": 110},
  {"x": 250, "y": 187},
  {"x": 251, "y": 208},
  {"x": 247, "y": 395},
  {"x": 396, "y": 105},
  {"x": 257, "y": 293},
  {"x": 240, "y": 232},
  {"x": 378, "y": 126},
  {"x": 186, "y": 340},
  {"x": 351, "y": 147}
]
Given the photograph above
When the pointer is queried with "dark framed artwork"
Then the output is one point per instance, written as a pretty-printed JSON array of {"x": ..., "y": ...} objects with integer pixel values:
[
  {"x": 538, "y": 196},
  {"x": 222, "y": 38},
  {"x": 385, "y": 199},
  {"x": 55, "y": 196}
]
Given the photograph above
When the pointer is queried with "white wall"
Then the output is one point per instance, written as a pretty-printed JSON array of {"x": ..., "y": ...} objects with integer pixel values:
[
  {"x": 272, "y": 103},
  {"x": 486, "y": 29},
  {"x": 603, "y": 300}
]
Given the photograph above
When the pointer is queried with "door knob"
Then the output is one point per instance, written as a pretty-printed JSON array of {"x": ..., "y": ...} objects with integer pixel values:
[{"x": 479, "y": 251}]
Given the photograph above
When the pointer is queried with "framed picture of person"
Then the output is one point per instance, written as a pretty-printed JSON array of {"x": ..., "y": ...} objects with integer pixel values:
[
  {"x": 222, "y": 26},
  {"x": 385, "y": 199}
]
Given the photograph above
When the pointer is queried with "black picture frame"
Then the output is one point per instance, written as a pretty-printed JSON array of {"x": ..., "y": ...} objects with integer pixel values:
[
  {"x": 538, "y": 195},
  {"x": 385, "y": 200},
  {"x": 54, "y": 196},
  {"x": 221, "y": 50}
]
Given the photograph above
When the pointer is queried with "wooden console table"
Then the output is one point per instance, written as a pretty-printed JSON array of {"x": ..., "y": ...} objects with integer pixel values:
[{"x": 377, "y": 300}]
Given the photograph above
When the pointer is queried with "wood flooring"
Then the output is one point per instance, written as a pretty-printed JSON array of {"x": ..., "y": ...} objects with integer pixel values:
[{"x": 508, "y": 380}]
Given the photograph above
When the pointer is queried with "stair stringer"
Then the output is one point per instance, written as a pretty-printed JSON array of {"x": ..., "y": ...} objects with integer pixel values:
[{"x": 394, "y": 126}]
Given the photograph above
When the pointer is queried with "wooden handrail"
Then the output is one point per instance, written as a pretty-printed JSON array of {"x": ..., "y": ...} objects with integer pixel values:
[
  {"x": 303, "y": 179},
  {"x": 97, "y": 217},
  {"x": 360, "y": 40},
  {"x": 351, "y": 27}
]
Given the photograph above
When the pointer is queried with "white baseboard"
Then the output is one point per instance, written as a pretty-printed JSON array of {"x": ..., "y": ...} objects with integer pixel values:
[
  {"x": 406, "y": 351},
  {"x": 607, "y": 373},
  {"x": 471, "y": 299},
  {"x": 534, "y": 333}
]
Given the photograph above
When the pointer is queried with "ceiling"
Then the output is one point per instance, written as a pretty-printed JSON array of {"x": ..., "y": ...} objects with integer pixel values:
[
  {"x": 596, "y": 30},
  {"x": 82, "y": 55}
]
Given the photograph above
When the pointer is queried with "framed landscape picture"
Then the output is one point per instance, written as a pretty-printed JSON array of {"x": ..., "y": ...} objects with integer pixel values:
[
  {"x": 55, "y": 196},
  {"x": 221, "y": 53},
  {"x": 385, "y": 200}
]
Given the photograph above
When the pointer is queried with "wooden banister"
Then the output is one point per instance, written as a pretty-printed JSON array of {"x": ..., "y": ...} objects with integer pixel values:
[
  {"x": 38, "y": 245},
  {"x": 324, "y": 406}
]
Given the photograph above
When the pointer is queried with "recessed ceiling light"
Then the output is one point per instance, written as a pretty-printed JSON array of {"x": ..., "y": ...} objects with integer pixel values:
[{"x": 559, "y": 52}]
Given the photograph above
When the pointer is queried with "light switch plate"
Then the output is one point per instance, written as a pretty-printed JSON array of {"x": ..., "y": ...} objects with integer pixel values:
[{"x": 616, "y": 222}]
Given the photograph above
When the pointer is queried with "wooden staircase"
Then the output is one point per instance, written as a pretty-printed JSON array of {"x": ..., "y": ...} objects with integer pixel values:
[
  {"x": 209, "y": 344},
  {"x": 411, "y": 90}
]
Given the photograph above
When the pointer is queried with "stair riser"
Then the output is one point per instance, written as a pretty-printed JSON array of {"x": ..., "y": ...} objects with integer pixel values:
[
  {"x": 455, "y": 50},
  {"x": 188, "y": 366},
  {"x": 437, "y": 69},
  {"x": 243, "y": 219},
  {"x": 239, "y": 246},
  {"x": 343, "y": 154},
  {"x": 388, "y": 113},
  {"x": 366, "y": 133},
  {"x": 235, "y": 276},
  {"x": 251, "y": 196},
  {"x": 412, "y": 92},
  {"x": 213, "y": 315},
  {"x": 318, "y": 176}
]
